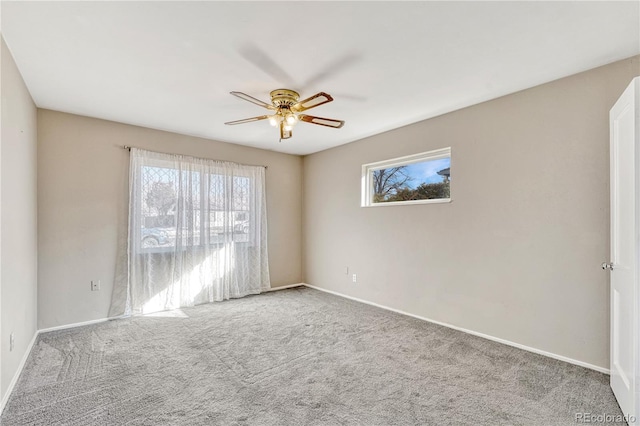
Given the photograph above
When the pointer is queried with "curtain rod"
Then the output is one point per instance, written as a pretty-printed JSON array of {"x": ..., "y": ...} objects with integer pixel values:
[{"x": 128, "y": 148}]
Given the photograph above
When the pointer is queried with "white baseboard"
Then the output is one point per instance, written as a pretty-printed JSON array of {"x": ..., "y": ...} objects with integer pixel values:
[
  {"x": 475, "y": 333},
  {"x": 284, "y": 287},
  {"x": 77, "y": 324},
  {"x": 14, "y": 380}
]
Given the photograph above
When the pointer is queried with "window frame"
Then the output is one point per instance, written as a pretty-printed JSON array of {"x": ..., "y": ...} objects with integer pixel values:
[{"x": 366, "y": 199}]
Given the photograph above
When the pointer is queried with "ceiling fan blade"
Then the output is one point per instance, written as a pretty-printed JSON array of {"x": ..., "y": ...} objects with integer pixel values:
[
  {"x": 333, "y": 68},
  {"x": 329, "y": 122},
  {"x": 267, "y": 64},
  {"x": 312, "y": 102},
  {"x": 248, "y": 120},
  {"x": 252, "y": 100},
  {"x": 284, "y": 134}
]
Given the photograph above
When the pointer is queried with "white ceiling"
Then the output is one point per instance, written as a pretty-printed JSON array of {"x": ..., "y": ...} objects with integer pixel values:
[{"x": 171, "y": 65}]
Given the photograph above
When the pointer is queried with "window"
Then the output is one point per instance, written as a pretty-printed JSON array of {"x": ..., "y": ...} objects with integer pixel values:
[
  {"x": 197, "y": 233},
  {"x": 414, "y": 179},
  {"x": 188, "y": 208}
]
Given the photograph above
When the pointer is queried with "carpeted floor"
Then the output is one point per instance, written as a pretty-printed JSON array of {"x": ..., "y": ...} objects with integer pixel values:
[{"x": 293, "y": 357}]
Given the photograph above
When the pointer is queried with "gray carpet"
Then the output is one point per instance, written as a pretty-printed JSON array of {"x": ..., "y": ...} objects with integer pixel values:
[{"x": 293, "y": 357}]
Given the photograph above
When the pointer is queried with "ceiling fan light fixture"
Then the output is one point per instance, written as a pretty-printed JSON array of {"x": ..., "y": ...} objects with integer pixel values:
[
  {"x": 274, "y": 120},
  {"x": 291, "y": 119},
  {"x": 288, "y": 127}
]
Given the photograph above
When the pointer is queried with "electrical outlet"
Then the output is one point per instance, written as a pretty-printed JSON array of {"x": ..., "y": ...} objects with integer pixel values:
[
  {"x": 12, "y": 341},
  {"x": 95, "y": 285},
  {"x": 355, "y": 278}
]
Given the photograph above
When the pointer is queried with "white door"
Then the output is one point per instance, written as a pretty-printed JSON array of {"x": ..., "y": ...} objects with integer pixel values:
[{"x": 625, "y": 250}]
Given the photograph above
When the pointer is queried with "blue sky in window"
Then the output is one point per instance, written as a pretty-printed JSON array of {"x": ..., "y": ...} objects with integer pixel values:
[{"x": 426, "y": 171}]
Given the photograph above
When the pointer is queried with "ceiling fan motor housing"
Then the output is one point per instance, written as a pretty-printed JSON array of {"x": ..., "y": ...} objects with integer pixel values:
[{"x": 284, "y": 98}]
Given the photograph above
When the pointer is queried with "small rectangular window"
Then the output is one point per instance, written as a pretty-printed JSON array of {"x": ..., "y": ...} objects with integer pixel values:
[{"x": 414, "y": 179}]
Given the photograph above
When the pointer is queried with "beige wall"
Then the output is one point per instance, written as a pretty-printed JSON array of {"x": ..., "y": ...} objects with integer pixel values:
[
  {"x": 517, "y": 253},
  {"x": 18, "y": 230},
  {"x": 82, "y": 198}
]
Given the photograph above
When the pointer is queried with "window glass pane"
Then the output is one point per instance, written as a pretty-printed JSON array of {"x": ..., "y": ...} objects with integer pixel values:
[
  {"x": 241, "y": 208},
  {"x": 414, "y": 179},
  {"x": 216, "y": 224},
  {"x": 225, "y": 192},
  {"x": 190, "y": 222},
  {"x": 159, "y": 197},
  {"x": 426, "y": 180},
  {"x": 214, "y": 208}
]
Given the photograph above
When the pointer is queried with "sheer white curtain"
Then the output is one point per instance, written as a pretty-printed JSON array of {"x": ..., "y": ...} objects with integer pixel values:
[{"x": 197, "y": 233}]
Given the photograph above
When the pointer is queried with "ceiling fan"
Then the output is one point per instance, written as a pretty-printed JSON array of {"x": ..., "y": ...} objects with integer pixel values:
[{"x": 287, "y": 107}]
